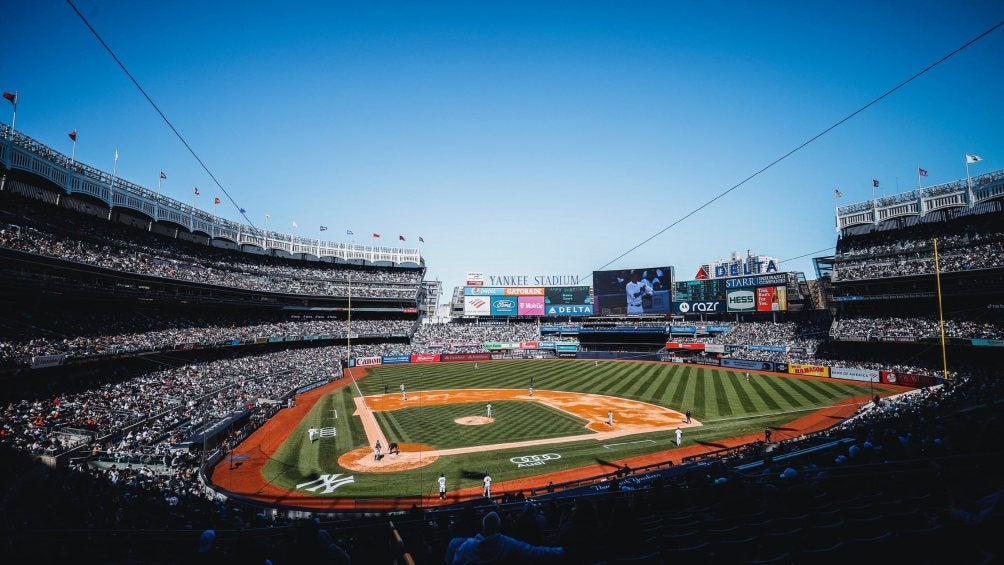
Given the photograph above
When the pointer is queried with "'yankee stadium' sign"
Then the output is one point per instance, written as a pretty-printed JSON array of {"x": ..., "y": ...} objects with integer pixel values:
[{"x": 532, "y": 280}]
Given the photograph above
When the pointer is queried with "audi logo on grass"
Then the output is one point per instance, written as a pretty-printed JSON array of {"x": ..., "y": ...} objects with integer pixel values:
[{"x": 534, "y": 460}]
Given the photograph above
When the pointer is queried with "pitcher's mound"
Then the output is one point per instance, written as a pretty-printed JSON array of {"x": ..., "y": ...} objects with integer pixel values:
[
  {"x": 412, "y": 456},
  {"x": 474, "y": 420}
]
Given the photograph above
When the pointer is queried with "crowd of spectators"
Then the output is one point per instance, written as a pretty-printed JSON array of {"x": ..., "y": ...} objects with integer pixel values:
[
  {"x": 26, "y": 333},
  {"x": 467, "y": 338},
  {"x": 904, "y": 256},
  {"x": 163, "y": 405},
  {"x": 805, "y": 335},
  {"x": 107, "y": 246},
  {"x": 865, "y": 328}
]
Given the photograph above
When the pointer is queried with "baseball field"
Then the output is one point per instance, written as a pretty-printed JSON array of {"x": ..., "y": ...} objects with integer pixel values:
[{"x": 563, "y": 429}]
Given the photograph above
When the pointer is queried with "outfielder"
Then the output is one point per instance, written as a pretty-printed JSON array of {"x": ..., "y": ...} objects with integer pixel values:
[
  {"x": 442, "y": 486},
  {"x": 747, "y": 377},
  {"x": 531, "y": 391},
  {"x": 489, "y": 407},
  {"x": 488, "y": 486},
  {"x": 312, "y": 432}
]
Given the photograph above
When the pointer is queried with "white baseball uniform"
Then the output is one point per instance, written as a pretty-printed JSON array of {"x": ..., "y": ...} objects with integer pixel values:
[
  {"x": 634, "y": 291},
  {"x": 488, "y": 486}
]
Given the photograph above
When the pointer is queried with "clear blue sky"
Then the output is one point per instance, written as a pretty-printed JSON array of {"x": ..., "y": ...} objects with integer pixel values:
[{"x": 520, "y": 137}]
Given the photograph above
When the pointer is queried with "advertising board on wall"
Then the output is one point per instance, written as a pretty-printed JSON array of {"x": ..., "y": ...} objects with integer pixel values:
[
  {"x": 503, "y": 306},
  {"x": 866, "y": 375},
  {"x": 691, "y": 346},
  {"x": 475, "y": 278},
  {"x": 530, "y": 306},
  {"x": 909, "y": 379},
  {"x": 465, "y": 357},
  {"x": 699, "y": 307},
  {"x": 483, "y": 291},
  {"x": 477, "y": 306},
  {"x": 633, "y": 291},
  {"x": 747, "y": 364},
  {"x": 813, "y": 370},
  {"x": 395, "y": 359},
  {"x": 425, "y": 358},
  {"x": 743, "y": 300},
  {"x": 573, "y": 310},
  {"x": 775, "y": 279},
  {"x": 368, "y": 361},
  {"x": 771, "y": 299}
]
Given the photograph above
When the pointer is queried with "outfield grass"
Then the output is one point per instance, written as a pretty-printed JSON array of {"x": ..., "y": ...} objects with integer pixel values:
[
  {"x": 721, "y": 399},
  {"x": 434, "y": 425}
]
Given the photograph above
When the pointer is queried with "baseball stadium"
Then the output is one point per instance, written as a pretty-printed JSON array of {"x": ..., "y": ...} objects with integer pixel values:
[{"x": 184, "y": 382}]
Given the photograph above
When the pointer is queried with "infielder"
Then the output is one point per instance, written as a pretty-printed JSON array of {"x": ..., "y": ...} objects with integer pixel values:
[
  {"x": 489, "y": 407},
  {"x": 312, "y": 432},
  {"x": 404, "y": 395},
  {"x": 679, "y": 437},
  {"x": 610, "y": 417},
  {"x": 488, "y": 486},
  {"x": 442, "y": 486},
  {"x": 531, "y": 391},
  {"x": 635, "y": 290}
]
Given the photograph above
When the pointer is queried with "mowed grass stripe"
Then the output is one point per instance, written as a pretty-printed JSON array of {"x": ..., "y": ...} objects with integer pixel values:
[
  {"x": 625, "y": 384},
  {"x": 657, "y": 388},
  {"x": 746, "y": 405},
  {"x": 765, "y": 398},
  {"x": 823, "y": 390},
  {"x": 723, "y": 400},
  {"x": 681, "y": 381},
  {"x": 700, "y": 394},
  {"x": 644, "y": 381},
  {"x": 781, "y": 388},
  {"x": 800, "y": 386}
]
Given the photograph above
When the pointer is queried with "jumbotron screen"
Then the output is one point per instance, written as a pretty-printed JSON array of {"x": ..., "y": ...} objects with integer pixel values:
[{"x": 633, "y": 291}]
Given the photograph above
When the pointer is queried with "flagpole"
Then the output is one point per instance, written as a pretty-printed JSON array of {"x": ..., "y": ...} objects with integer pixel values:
[
  {"x": 969, "y": 181},
  {"x": 919, "y": 187},
  {"x": 73, "y": 152},
  {"x": 159, "y": 178},
  {"x": 13, "y": 119}
]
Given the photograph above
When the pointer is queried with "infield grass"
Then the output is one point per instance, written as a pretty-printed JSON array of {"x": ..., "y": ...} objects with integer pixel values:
[{"x": 720, "y": 399}]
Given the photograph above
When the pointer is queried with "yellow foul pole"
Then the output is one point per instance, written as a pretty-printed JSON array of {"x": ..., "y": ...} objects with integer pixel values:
[{"x": 941, "y": 312}]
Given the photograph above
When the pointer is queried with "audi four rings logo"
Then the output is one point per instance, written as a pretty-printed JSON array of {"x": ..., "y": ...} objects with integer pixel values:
[{"x": 534, "y": 460}]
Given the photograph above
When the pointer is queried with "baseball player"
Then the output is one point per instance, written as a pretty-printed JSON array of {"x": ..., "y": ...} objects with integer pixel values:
[
  {"x": 312, "y": 432},
  {"x": 679, "y": 437},
  {"x": 688, "y": 416},
  {"x": 635, "y": 291},
  {"x": 747, "y": 377},
  {"x": 475, "y": 366},
  {"x": 404, "y": 395},
  {"x": 531, "y": 391},
  {"x": 489, "y": 407},
  {"x": 488, "y": 486},
  {"x": 610, "y": 417},
  {"x": 376, "y": 451},
  {"x": 442, "y": 486}
]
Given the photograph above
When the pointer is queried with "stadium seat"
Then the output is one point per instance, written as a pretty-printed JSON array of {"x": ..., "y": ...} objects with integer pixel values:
[
  {"x": 823, "y": 555},
  {"x": 690, "y": 554},
  {"x": 649, "y": 558}
]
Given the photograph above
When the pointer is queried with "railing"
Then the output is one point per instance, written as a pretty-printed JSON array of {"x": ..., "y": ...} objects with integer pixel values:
[
  {"x": 18, "y": 151},
  {"x": 924, "y": 200}
]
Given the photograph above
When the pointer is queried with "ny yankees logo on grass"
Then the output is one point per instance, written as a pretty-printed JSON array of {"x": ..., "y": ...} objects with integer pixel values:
[{"x": 329, "y": 482}]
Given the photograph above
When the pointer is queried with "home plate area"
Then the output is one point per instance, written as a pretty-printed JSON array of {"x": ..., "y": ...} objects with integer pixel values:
[{"x": 631, "y": 417}]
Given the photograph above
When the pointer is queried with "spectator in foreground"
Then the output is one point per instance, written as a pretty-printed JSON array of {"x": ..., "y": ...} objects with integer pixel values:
[{"x": 491, "y": 546}]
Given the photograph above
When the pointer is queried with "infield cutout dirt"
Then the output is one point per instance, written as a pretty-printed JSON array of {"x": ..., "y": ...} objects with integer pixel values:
[{"x": 630, "y": 417}]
